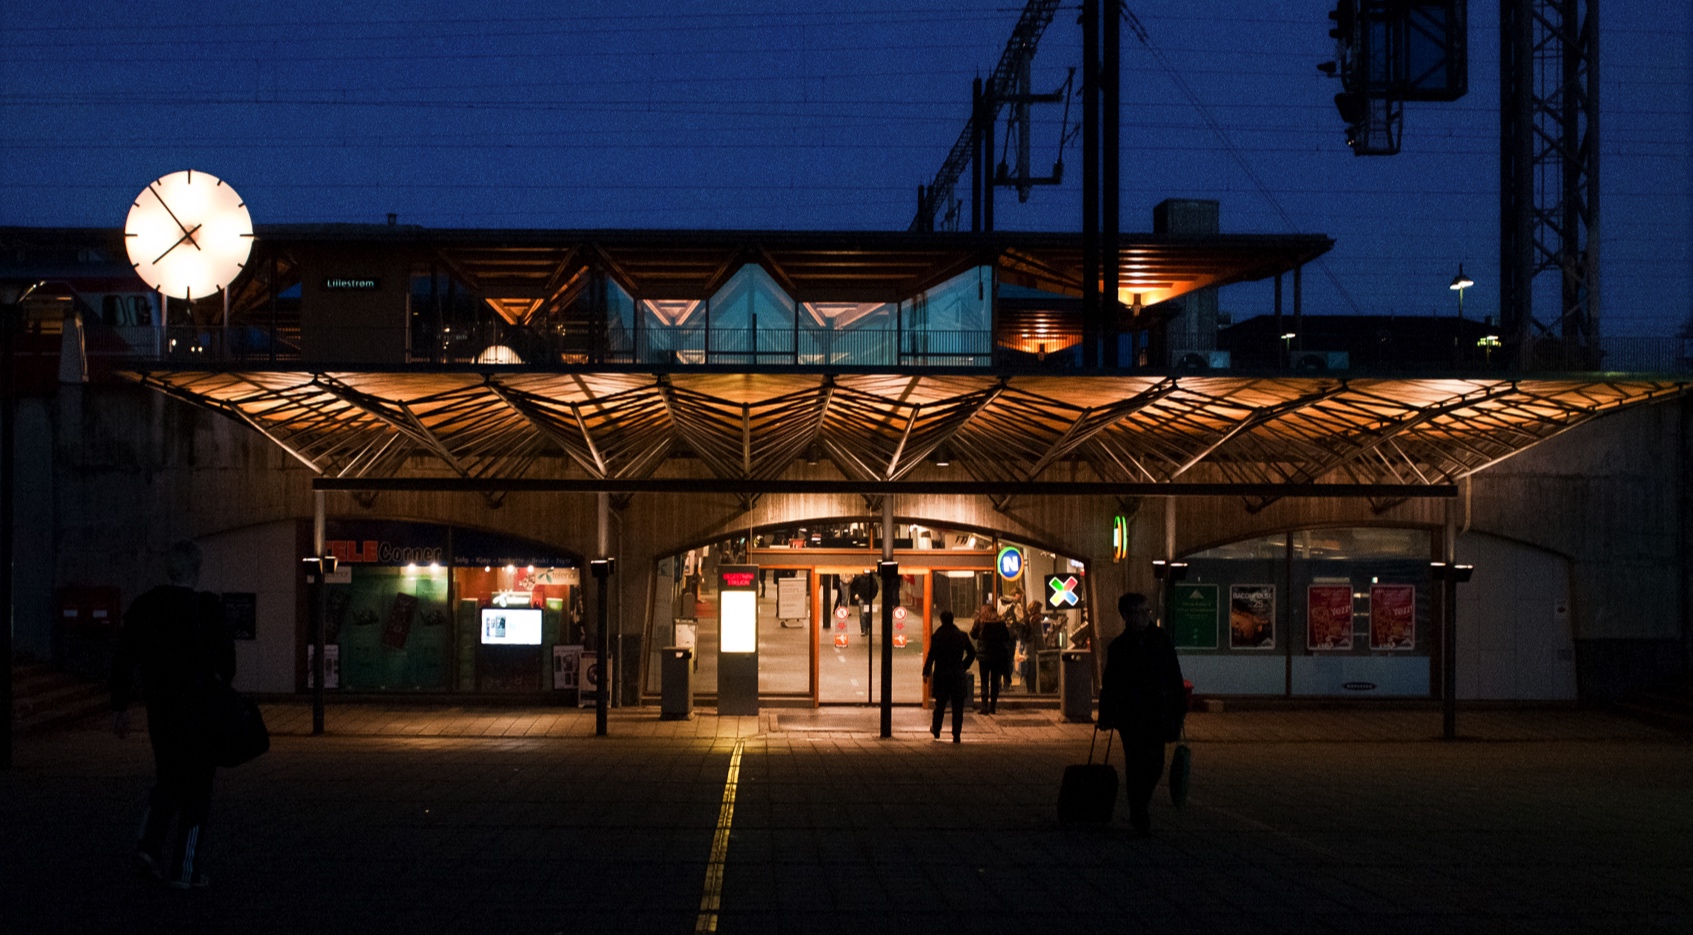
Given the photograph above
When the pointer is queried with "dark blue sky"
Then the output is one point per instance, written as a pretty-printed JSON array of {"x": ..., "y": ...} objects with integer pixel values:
[{"x": 769, "y": 114}]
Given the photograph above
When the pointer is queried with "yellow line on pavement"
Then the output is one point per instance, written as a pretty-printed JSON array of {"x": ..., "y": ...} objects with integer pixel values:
[{"x": 712, "y": 900}]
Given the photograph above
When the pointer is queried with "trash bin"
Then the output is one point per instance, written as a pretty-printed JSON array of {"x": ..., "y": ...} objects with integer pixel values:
[
  {"x": 1075, "y": 685},
  {"x": 677, "y": 684}
]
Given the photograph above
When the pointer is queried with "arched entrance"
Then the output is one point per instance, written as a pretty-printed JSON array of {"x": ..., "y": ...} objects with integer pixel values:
[{"x": 820, "y": 603}]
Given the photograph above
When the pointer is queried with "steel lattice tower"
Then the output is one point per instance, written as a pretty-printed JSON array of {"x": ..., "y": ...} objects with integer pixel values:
[{"x": 1549, "y": 177}]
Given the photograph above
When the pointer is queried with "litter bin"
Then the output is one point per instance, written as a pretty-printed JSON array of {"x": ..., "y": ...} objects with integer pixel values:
[
  {"x": 677, "y": 684},
  {"x": 1075, "y": 685}
]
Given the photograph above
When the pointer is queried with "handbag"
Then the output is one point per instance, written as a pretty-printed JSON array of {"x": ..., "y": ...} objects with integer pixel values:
[
  {"x": 1181, "y": 772},
  {"x": 235, "y": 728}
]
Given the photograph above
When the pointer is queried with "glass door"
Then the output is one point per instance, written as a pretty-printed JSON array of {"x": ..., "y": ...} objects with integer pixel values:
[
  {"x": 850, "y": 600},
  {"x": 849, "y": 645}
]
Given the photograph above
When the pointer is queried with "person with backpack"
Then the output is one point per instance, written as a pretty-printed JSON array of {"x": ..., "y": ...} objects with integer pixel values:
[
  {"x": 1141, "y": 698},
  {"x": 177, "y": 638}
]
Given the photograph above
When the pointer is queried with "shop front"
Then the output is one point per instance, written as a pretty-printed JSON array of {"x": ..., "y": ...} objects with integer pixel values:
[
  {"x": 421, "y": 607},
  {"x": 820, "y": 601},
  {"x": 1315, "y": 612}
]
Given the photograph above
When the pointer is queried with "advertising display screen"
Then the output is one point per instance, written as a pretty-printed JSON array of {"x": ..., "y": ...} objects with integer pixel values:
[{"x": 511, "y": 626}]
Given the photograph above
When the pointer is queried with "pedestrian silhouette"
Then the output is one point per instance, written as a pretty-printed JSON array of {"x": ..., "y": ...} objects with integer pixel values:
[
  {"x": 947, "y": 666},
  {"x": 178, "y": 640},
  {"x": 994, "y": 648},
  {"x": 1141, "y": 698}
]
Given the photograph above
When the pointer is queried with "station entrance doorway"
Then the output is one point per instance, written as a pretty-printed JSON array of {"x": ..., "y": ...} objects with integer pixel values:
[{"x": 820, "y": 600}]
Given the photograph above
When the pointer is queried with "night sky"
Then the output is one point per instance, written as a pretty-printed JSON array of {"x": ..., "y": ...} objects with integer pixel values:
[{"x": 803, "y": 115}]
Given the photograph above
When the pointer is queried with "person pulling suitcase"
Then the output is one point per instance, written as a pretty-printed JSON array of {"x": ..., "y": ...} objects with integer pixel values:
[{"x": 1141, "y": 698}]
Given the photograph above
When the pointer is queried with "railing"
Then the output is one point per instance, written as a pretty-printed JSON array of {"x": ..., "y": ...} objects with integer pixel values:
[{"x": 498, "y": 344}]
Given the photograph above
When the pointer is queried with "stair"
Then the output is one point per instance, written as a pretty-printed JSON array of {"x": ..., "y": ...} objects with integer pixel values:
[
  {"x": 1666, "y": 704},
  {"x": 43, "y": 695}
]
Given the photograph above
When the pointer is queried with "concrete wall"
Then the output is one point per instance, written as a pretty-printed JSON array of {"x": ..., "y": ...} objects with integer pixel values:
[{"x": 133, "y": 470}]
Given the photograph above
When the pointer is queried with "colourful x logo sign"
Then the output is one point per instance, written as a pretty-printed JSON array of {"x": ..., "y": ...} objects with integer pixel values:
[{"x": 1063, "y": 592}]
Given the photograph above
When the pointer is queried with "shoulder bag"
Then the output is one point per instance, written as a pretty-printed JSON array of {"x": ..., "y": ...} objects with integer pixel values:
[{"x": 235, "y": 728}]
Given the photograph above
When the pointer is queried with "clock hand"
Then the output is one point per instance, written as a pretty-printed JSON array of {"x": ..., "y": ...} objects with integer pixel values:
[
  {"x": 161, "y": 199},
  {"x": 187, "y": 235}
]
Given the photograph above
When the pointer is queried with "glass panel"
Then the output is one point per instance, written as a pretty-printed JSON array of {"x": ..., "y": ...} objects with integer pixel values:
[
  {"x": 846, "y": 333},
  {"x": 784, "y": 630},
  {"x": 1243, "y": 608},
  {"x": 952, "y": 322},
  {"x": 672, "y": 331},
  {"x": 620, "y": 321},
  {"x": 391, "y": 624},
  {"x": 844, "y": 665},
  {"x": 908, "y": 642},
  {"x": 751, "y": 317}
]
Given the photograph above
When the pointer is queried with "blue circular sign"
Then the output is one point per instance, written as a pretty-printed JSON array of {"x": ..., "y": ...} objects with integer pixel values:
[{"x": 1010, "y": 562}]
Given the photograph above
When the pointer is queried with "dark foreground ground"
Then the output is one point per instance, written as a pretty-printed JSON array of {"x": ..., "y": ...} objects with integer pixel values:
[{"x": 462, "y": 820}]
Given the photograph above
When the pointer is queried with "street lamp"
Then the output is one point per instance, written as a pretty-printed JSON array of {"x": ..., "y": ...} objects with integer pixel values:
[
  {"x": 1450, "y": 575},
  {"x": 1461, "y": 282}
]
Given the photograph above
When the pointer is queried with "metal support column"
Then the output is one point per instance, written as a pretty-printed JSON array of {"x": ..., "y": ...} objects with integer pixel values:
[
  {"x": 1110, "y": 133},
  {"x": 602, "y": 568},
  {"x": 890, "y": 596},
  {"x": 976, "y": 174},
  {"x": 10, "y": 313},
  {"x": 320, "y": 610},
  {"x": 1090, "y": 184}
]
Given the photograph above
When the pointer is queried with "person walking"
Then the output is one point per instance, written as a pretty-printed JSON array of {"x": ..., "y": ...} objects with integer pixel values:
[
  {"x": 947, "y": 666},
  {"x": 994, "y": 649},
  {"x": 1140, "y": 697},
  {"x": 177, "y": 637},
  {"x": 864, "y": 590}
]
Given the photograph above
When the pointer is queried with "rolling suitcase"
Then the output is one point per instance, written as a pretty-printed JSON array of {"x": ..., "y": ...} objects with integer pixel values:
[{"x": 1088, "y": 793}]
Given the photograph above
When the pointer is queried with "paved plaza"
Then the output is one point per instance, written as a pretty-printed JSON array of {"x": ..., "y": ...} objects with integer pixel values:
[{"x": 502, "y": 820}]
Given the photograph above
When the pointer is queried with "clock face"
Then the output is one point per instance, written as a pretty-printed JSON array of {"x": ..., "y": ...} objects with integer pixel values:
[{"x": 188, "y": 234}]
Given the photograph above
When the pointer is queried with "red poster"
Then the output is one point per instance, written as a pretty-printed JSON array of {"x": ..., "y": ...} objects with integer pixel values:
[
  {"x": 841, "y": 640},
  {"x": 1328, "y": 616},
  {"x": 1393, "y": 616},
  {"x": 899, "y": 640}
]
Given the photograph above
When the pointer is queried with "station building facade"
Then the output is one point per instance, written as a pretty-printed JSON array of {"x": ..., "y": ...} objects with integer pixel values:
[{"x": 482, "y": 413}]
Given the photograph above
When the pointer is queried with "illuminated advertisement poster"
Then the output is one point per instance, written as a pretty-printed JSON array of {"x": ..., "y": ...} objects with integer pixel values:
[
  {"x": 398, "y": 627},
  {"x": 1252, "y": 616},
  {"x": 1328, "y": 616},
  {"x": 1193, "y": 616},
  {"x": 1393, "y": 616}
]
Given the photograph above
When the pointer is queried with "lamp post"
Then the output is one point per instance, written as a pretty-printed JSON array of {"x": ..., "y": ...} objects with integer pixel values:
[
  {"x": 1460, "y": 282},
  {"x": 320, "y": 567},
  {"x": 1450, "y": 575},
  {"x": 1287, "y": 347}
]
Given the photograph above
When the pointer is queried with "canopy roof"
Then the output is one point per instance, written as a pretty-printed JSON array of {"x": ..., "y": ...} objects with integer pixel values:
[{"x": 1262, "y": 437}]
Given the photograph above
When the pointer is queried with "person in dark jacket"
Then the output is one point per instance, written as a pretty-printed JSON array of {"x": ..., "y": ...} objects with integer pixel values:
[
  {"x": 1141, "y": 698},
  {"x": 947, "y": 667},
  {"x": 864, "y": 588},
  {"x": 994, "y": 648},
  {"x": 178, "y": 639}
]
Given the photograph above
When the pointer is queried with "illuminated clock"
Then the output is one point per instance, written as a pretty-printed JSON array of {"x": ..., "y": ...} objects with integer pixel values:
[{"x": 188, "y": 234}]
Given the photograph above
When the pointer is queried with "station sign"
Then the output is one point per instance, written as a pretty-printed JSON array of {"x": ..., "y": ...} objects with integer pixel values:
[
  {"x": 1010, "y": 563},
  {"x": 1063, "y": 592}
]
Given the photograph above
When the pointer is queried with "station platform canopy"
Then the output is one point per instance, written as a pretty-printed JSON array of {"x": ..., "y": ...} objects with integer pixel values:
[
  {"x": 1259, "y": 437},
  {"x": 630, "y": 426}
]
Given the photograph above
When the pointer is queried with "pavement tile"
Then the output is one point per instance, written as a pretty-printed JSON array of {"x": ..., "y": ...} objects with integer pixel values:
[{"x": 409, "y": 818}]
